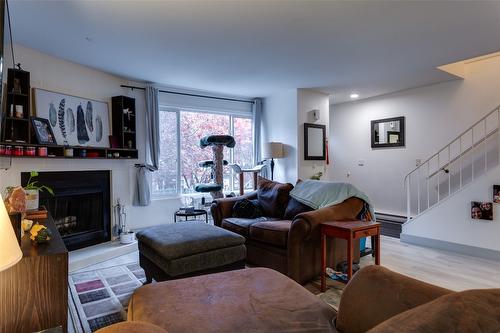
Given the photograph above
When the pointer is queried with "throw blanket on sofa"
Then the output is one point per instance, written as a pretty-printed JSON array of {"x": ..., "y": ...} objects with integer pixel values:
[{"x": 318, "y": 194}]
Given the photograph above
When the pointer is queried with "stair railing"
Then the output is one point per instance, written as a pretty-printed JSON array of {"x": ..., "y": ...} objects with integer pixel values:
[{"x": 490, "y": 125}]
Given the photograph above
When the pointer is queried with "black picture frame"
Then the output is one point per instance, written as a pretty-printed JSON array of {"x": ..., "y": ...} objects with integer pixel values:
[
  {"x": 307, "y": 141},
  {"x": 402, "y": 134},
  {"x": 43, "y": 131}
]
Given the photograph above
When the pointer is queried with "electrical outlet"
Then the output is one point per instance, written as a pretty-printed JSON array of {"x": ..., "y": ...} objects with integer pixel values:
[
  {"x": 418, "y": 162},
  {"x": 361, "y": 162},
  {"x": 348, "y": 174}
]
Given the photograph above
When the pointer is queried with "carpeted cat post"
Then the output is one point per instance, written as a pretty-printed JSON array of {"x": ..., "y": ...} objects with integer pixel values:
[{"x": 217, "y": 142}]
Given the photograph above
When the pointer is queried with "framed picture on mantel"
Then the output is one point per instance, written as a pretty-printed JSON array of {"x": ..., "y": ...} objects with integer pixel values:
[{"x": 75, "y": 121}]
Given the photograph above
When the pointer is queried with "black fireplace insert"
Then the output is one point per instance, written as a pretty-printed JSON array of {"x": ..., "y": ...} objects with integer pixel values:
[{"x": 80, "y": 206}]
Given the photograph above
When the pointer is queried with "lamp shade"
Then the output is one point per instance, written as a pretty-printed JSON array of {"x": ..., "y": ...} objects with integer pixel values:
[
  {"x": 273, "y": 150},
  {"x": 10, "y": 252}
]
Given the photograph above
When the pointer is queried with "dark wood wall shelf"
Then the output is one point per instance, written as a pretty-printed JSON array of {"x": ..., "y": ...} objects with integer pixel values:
[
  {"x": 18, "y": 134},
  {"x": 56, "y": 151}
]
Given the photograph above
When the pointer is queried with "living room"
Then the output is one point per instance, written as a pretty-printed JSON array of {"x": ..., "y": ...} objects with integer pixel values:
[{"x": 260, "y": 124}]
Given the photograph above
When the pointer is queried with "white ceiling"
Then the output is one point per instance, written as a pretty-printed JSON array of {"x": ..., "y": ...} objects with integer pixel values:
[{"x": 257, "y": 48}]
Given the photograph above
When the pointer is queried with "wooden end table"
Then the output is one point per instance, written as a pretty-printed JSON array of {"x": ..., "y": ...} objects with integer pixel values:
[{"x": 350, "y": 231}]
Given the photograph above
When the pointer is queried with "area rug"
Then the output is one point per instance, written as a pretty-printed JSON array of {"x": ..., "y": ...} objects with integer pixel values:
[{"x": 100, "y": 297}]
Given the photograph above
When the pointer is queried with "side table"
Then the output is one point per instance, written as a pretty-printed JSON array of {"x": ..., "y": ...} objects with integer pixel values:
[
  {"x": 196, "y": 212},
  {"x": 350, "y": 231}
]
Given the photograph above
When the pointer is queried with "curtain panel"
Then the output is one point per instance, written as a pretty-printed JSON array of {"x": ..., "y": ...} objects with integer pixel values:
[{"x": 143, "y": 191}]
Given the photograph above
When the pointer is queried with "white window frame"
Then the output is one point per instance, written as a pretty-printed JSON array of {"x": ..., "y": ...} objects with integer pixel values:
[{"x": 177, "y": 111}]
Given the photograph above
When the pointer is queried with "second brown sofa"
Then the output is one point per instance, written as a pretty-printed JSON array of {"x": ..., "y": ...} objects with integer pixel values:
[{"x": 287, "y": 238}]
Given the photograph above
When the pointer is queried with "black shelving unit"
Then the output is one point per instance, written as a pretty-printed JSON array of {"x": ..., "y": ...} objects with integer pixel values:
[
  {"x": 16, "y": 120},
  {"x": 124, "y": 123}
]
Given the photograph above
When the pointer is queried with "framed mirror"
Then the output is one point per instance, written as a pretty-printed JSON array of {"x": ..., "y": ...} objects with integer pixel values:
[
  {"x": 389, "y": 132},
  {"x": 314, "y": 142}
]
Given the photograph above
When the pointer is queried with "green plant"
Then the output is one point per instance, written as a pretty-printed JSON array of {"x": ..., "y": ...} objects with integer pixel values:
[{"x": 33, "y": 184}]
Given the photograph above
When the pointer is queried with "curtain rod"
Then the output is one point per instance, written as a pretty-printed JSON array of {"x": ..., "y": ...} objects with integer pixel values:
[{"x": 192, "y": 95}]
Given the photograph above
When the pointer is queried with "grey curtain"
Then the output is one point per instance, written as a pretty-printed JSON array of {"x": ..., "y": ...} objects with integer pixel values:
[
  {"x": 257, "y": 120},
  {"x": 143, "y": 192},
  {"x": 152, "y": 128}
]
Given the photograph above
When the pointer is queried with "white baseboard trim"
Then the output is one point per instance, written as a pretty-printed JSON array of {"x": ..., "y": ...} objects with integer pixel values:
[{"x": 453, "y": 247}]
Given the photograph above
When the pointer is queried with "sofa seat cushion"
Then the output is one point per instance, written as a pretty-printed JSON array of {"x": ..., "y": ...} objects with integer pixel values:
[
  {"x": 462, "y": 312},
  {"x": 242, "y": 225},
  {"x": 273, "y": 197},
  {"x": 271, "y": 232},
  {"x": 246, "y": 300}
]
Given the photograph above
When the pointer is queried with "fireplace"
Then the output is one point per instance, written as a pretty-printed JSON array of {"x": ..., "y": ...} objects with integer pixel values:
[{"x": 80, "y": 207}]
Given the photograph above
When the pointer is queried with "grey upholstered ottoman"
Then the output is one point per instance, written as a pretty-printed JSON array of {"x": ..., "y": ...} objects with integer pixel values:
[{"x": 178, "y": 250}]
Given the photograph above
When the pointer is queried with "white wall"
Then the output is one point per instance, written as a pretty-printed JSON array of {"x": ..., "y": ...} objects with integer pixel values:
[
  {"x": 279, "y": 124},
  {"x": 308, "y": 100},
  {"x": 435, "y": 115},
  {"x": 66, "y": 77}
]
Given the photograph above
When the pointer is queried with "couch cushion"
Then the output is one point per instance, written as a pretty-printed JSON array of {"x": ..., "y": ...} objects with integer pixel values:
[
  {"x": 271, "y": 232},
  {"x": 177, "y": 240},
  {"x": 294, "y": 208},
  {"x": 242, "y": 225},
  {"x": 248, "y": 209},
  {"x": 246, "y": 300},
  {"x": 467, "y": 311},
  {"x": 273, "y": 197}
]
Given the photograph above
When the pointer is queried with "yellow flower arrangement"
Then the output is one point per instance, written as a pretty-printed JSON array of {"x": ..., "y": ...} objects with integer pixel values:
[{"x": 39, "y": 233}]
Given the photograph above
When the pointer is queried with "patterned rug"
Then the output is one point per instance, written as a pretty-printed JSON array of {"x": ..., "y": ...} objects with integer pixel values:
[{"x": 100, "y": 298}]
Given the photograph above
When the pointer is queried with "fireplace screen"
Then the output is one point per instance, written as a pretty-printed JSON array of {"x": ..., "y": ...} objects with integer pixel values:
[{"x": 75, "y": 214}]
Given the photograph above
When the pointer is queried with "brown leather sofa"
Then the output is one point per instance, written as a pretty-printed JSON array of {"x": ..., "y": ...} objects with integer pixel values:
[
  {"x": 376, "y": 300},
  {"x": 289, "y": 244}
]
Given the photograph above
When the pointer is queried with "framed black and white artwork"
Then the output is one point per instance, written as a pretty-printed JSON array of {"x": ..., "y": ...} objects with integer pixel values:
[{"x": 75, "y": 121}]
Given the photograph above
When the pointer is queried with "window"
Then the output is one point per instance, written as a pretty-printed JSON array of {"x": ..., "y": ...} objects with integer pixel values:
[{"x": 180, "y": 152}]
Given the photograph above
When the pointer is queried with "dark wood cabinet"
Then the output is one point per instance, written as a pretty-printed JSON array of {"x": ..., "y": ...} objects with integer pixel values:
[{"x": 34, "y": 292}]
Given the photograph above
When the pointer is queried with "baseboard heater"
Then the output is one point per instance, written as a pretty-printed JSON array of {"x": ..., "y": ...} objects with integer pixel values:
[{"x": 391, "y": 224}]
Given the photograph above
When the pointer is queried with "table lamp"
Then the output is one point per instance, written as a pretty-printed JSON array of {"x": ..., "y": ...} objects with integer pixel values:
[
  {"x": 271, "y": 151},
  {"x": 10, "y": 252}
]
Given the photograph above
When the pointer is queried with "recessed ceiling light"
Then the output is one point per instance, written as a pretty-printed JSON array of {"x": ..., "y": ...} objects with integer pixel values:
[{"x": 354, "y": 95}]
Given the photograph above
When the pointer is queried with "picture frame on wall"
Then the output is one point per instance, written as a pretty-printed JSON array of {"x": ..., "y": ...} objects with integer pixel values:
[
  {"x": 496, "y": 194},
  {"x": 481, "y": 210},
  {"x": 43, "y": 131},
  {"x": 75, "y": 121}
]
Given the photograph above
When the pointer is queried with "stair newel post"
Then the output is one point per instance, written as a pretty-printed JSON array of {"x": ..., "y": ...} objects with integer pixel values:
[
  {"x": 408, "y": 198},
  {"x": 485, "y": 148}
]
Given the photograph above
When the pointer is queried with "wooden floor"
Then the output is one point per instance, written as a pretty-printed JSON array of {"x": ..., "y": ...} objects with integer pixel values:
[{"x": 442, "y": 268}]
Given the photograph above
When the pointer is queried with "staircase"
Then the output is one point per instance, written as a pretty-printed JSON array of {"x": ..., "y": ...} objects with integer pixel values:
[{"x": 469, "y": 156}]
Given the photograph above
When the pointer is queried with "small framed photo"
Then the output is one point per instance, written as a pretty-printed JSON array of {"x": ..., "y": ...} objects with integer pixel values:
[
  {"x": 481, "y": 210},
  {"x": 496, "y": 194},
  {"x": 43, "y": 132}
]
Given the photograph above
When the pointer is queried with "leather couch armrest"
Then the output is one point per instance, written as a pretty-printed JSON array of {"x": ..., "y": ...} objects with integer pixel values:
[
  {"x": 307, "y": 225},
  {"x": 376, "y": 294},
  {"x": 132, "y": 327},
  {"x": 223, "y": 208}
]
